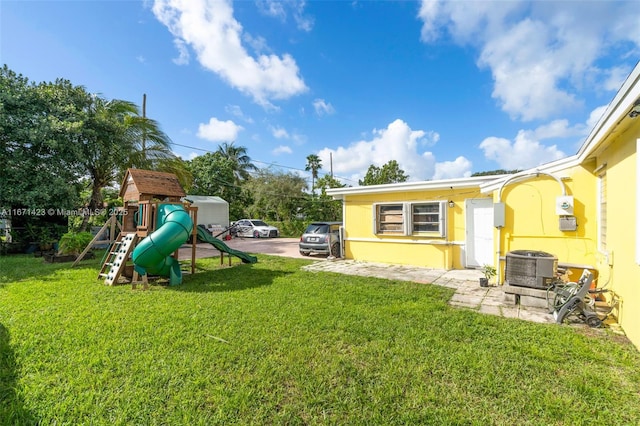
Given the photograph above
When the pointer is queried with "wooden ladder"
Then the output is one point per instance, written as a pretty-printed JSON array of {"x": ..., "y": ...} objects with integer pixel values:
[{"x": 117, "y": 259}]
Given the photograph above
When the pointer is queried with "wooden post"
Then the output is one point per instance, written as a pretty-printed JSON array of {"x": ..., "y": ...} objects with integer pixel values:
[
  {"x": 112, "y": 230},
  {"x": 194, "y": 237},
  {"x": 112, "y": 222},
  {"x": 135, "y": 279}
]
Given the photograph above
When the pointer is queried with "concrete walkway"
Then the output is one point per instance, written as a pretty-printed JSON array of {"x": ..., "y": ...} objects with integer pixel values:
[{"x": 469, "y": 294}]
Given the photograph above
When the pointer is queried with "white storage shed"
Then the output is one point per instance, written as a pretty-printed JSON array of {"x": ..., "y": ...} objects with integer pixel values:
[{"x": 213, "y": 212}]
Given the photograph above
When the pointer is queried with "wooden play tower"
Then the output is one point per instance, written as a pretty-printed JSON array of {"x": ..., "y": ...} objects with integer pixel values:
[{"x": 142, "y": 192}]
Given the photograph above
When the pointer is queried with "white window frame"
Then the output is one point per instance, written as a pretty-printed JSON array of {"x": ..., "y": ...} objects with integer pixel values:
[
  {"x": 602, "y": 212},
  {"x": 407, "y": 226},
  {"x": 377, "y": 222}
]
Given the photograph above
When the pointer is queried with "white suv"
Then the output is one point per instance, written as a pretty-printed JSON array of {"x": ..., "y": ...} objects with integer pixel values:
[{"x": 255, "y": 228}]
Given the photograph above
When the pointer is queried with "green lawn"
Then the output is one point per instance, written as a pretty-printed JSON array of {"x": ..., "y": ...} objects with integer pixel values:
[{"x": 271, "y": 344}]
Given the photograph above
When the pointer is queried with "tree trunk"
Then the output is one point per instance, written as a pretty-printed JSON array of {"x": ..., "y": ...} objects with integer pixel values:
[{"x": 95, "y": 203}]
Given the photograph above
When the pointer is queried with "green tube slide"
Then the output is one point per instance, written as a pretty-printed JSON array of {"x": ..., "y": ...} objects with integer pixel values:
[{"x": 153, "y": 254}]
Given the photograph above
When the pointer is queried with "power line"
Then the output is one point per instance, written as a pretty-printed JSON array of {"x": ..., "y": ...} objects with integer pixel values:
[{"x": 261, "y": 162}]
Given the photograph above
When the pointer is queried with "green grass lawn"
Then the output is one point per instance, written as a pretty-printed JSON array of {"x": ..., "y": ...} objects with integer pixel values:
[{"x": 271, "y": 344}]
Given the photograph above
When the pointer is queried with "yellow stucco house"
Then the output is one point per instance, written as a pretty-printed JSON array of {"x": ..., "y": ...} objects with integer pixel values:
[{"x": 584, "y": 210}]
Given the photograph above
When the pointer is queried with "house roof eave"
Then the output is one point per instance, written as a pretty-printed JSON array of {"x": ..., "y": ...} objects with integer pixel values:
[
  {"x": 615, "y": 113},
  {"x": 470, "y": 182},
  {"x": 554, "y": 167}
]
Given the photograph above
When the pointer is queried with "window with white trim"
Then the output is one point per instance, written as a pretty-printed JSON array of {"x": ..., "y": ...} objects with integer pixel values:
[
  {"x": 390, "y": 219},
  {"x": 638, "y": 201},
  {"x": 424, "y": 218}
]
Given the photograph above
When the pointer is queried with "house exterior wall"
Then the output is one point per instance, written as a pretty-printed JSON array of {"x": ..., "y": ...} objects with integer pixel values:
[
  {"x": 531, "y": 221},
  {"x": 618, "y": 265},
  {"x": 361, "y": 243}
]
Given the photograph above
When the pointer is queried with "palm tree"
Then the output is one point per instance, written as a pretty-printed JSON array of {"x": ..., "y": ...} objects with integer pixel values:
[
  {"x": 111, "y": 140},
  {"x": 313, "y": 165},
  {"x": 242, "y": 164}
]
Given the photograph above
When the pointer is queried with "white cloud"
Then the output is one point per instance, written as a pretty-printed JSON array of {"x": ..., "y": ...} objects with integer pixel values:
[
  {"x": 210, "y": 29},
  {"x": 219, "y": 131},
  {"x": 303, "y": 22},
  {"x": 278, "y": 9},
  {"x": 183, "y": 52},
  {"x": 272, "y": 8},
  {"x": 279, "y": 132},
  {"x": 595, "y": 116},
  {"x": 282, "y": 149},
  {"x": 522, "y": 153},
  {"x": 615, "y": 77},
  {"x": 559, "y": 129},
  {"x": 189, "y": 156},
  {"x": 460, "y": 167},
  {"x": 298, "y": 138},
  {"x": 541, "y": 54},
  {"x": 430, "y": 138},
  {"x": 527, "y": 151},
  {"x": 141, "y": 59},
  {"x": 395, "y": 142},
  {"x": 236, "y": 111},
  {"x": 323, "y": 107}
]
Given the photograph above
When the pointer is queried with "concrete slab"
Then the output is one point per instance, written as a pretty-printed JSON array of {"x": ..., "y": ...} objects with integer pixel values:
[
  {"x": 491, "y": 310},
  {"x": 465, "y": 298},
  {"x": 510, "y": 311},
  {"x": 535, "y": 315},
  {"x": 534, "y": 302}
]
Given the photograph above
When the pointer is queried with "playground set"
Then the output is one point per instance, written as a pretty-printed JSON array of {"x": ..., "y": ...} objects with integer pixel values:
[{"x": 153, "y": 224}]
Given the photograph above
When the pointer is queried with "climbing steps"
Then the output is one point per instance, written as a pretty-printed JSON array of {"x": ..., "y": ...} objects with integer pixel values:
[{"x": 117, "y": 259}]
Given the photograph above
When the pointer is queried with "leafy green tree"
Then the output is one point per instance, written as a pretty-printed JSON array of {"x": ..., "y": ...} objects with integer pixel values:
[
  {"x": 325, "y": 207},
  {"x": 496, "y": 172},
  {"x": 39, "y": 128},
  {"x": 214, "y": 174},
  {"x": 54, "y": 134},
  {"x": 313, "y": 165},
  {"x": 389, "y": 173},
  {"x": 177, "y": 166},
  {"x": 241, "y": 162},
  {"x": 112, "y": 137},
  {"x": 276, "y": 195}
]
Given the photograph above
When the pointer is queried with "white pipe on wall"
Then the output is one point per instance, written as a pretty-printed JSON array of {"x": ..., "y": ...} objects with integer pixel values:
[{"x": 513, "y": 179}]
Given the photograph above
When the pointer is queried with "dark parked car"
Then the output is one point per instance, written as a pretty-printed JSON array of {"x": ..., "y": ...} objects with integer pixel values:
[{"x": 322, "y": 238}]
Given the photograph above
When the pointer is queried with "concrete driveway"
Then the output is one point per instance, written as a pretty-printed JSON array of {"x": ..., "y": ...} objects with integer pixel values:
[{"x": 287, "y": 247}]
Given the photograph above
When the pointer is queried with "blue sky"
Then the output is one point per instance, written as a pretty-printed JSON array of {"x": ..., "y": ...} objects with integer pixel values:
[{"x": 446, "y": 88}]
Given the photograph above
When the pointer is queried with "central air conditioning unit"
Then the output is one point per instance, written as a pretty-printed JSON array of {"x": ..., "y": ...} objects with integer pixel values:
[{"x": 530, "y": 268}]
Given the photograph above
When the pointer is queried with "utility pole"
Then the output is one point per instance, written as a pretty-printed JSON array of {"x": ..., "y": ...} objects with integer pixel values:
[
  {"x": 144, "y": 116},
  {"x": 331, "y": 164}
]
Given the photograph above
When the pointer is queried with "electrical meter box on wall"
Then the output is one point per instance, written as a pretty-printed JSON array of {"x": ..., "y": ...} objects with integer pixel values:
[
  {"x": 568, "y": 223},
  {"x": 564, "y": 205},
  {"x": 498, "y": 215}
]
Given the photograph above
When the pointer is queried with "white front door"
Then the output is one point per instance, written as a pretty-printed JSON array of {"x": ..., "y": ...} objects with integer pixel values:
[{"x": 479, "y": 224}]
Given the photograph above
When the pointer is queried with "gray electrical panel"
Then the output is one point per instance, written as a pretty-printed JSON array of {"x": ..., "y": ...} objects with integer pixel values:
[
  {"x": 568, "y": 223},
  {"x": 498, "y": 215}
]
